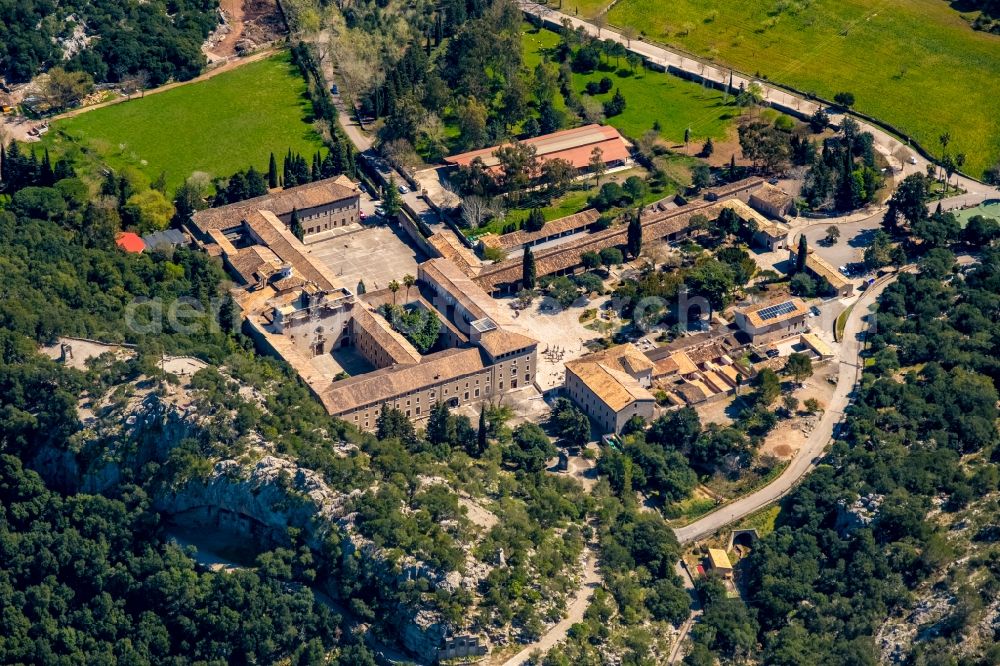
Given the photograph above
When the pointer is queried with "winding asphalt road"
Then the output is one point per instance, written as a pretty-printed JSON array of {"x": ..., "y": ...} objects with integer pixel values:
[
  {"x": 665, "y": 58},
  {"x": 805, "y": 460}
]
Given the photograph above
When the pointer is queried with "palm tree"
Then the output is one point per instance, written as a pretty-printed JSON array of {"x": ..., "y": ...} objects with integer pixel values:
[
  {"x": 393, "y": 287},
  {"x": 944, "y": 140},
  {"x": 408, "y": 281}
]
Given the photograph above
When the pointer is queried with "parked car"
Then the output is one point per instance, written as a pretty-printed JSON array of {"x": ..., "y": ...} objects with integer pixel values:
[
  {"x": 814, "y": 311},
  {"x": 403, "y": 189},
  {"x": 362, "y": 214},
  {"x": 380, "y": 211},
  {"x": 913, "y": 160},
  {"x": 845, "y": 271}
]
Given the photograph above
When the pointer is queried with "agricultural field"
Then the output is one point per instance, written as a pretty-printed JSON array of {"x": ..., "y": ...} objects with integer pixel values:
[
  {"x": 213, "y": 120},
  {"x": 650, "y": 97},
  {"x": 913, "y": 63}
]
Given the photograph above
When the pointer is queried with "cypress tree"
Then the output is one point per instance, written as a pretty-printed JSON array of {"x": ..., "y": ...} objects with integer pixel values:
[
  {"x": 272, "y": 172},
  {"x": 315, "y": 168},
  {"x": 481, "y": 439},
  {"x": 361, "y": 287},
  {"x": 634, "y": 241},
  {"x": 528, "y": 270},
  {"x": 800, "y": 257},
  {"x": 328, "y": 169},
  {"x": 301, "y": 169},
  {"x": 296, "y": 225},
  {"x": 3, "y": 165},
  {"x": 46, "y": 176},
  {"x": 288, "y": 174}
]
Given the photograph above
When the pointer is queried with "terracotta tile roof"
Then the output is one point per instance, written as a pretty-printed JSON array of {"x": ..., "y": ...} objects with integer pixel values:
[
  {"x": 665, "y": 367},
  {"x": 752, "y": 183},
  {"x": 626, "y": 357},
  {"x": 817, "y": 344},
  {"x": 455, "y": 255},
  {"x": 303, "y": 197},
  {"x": 467, "y": 292},
  {"x": 731, "y": 374},
  {"x": 716, "y": 382},
  {"x": 694, "y": 391},
  {"x": 614, "y": 388},
  {"x": 685, "y": 366},
  {"x": 822, "y": 268},
  {"x": 520, "y": 238},
  {"x": 502, "y": 341},
  {"x": 609, "y": 374},
  {"x": 249, "y": 261},
  {"x": 393, "y": 343},
  {"x": 567, "y": 255},
  {"x": 773, "y": 196},
  {"x": 574, "y": 145},
  {"x": 389, "y": 383},
  {"x": 289, "y": 249}
]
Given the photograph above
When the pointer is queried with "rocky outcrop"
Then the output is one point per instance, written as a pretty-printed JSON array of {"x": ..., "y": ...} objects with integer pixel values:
[
  {"x": 257, "y": 500},
  {"x": 266, "y": 498}
]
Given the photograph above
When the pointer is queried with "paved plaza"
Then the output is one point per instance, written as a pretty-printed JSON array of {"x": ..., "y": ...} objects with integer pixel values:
[{"x": 375, "y": 254}]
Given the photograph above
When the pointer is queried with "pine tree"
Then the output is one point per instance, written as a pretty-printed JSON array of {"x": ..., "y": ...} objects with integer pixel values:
[
  {"x": 438, "y": 424},
  {"x": 256, "y": 187},
  {"x": 634, "y": 240},
  {"x": 296, "y": 225},
  {"x": 800, "y": 258},
  {"x": 528, "y": 270},
  {"x": 272, "y": 172},
  {"x": 535, "y": 221}
]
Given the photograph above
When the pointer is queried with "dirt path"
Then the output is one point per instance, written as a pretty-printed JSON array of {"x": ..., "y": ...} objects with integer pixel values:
[
  {"x": 233, "y": 9},
  {"x": 591, "y": 580}
]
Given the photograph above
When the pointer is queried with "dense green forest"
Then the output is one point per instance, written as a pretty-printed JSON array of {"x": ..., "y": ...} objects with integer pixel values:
[
  {"x": 111, "y": 39},
  {"x": 87, "y": 579}
]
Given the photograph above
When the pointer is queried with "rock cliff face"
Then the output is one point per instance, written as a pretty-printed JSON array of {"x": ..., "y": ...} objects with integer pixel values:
[
  {"x": 258, "y": 500},
  {"x": 268, "y": 497}
]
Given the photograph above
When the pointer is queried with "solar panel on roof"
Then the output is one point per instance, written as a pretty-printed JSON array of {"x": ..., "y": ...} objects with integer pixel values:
[{"x": 778, "y": 310}]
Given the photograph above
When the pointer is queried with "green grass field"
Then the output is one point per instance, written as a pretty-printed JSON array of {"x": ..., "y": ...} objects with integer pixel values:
[
  {"x": 219, "y": 126},
  {"x": 913, "y": 63},
  {"x": 583, "y": 8},
  {"x": 650, "y": 96}
]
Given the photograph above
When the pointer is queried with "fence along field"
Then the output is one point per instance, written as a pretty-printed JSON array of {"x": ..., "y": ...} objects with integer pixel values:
[{"x": 916, "y": 64}]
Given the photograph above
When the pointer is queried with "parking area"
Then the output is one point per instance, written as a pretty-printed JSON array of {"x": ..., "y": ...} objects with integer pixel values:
[
  {"x": 850, "y": 247},
  {"x": 375, "y": 254}
]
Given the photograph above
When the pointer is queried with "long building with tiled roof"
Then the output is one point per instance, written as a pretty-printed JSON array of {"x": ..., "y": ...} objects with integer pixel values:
[{"x": 574, "y": 145}]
